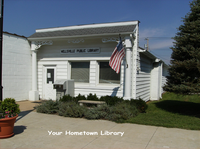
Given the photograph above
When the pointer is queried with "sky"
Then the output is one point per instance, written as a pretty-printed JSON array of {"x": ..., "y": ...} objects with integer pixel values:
[{"x": 159, "y": 19}]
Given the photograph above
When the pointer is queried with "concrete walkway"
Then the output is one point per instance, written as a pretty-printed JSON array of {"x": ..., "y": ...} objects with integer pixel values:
[{"x": 36, "y": 130}]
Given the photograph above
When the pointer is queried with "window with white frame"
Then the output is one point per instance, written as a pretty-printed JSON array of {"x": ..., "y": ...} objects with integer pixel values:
[
  {"x": 107, "y": 74},
  {"x": 80, "y": 71}
]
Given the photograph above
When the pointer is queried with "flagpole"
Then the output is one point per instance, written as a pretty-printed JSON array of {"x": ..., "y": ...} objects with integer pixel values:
[{"x": 1, "y": 46}]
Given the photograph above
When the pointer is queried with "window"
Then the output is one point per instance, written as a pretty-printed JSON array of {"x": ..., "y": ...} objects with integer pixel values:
[
  {"x": 107, "y": 74},
  {"x": 80, "y": 71},
  {"x": 50, "y": 75}
]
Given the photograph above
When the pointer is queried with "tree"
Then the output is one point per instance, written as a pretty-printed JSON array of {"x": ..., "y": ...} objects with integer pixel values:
[{"x": 184, "y": 69}]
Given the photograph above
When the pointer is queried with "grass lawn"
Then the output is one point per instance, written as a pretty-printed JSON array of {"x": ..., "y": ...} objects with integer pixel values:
[{"x": 179, "y": 111}]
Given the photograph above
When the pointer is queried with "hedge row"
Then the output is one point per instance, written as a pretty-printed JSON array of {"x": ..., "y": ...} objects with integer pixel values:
[
  {"x": 111, "y": 101},
  {"x": 116, "y": 108}
]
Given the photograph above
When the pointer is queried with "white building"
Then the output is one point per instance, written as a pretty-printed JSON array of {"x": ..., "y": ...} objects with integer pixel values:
[
  {"x": 16, "y": 67},
  {"x": 82, "y": 53}
]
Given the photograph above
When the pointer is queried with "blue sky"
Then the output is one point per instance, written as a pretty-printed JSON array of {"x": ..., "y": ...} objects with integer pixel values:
[{"x": 159, "y": 19}]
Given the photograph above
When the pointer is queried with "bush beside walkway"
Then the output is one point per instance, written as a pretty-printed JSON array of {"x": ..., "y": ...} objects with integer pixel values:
[{"x": 116, "y": 108}]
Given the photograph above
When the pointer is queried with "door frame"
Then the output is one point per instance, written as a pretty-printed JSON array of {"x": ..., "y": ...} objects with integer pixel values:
[{"x": 44, "y": 77}]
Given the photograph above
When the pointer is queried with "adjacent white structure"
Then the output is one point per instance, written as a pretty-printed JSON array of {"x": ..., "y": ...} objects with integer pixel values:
[
  {"x": 16, "y": 67},
  {"x": 32, "y": 65},
  {"x": 151, "y": 76},
  {"x": 82, "y": 53}
]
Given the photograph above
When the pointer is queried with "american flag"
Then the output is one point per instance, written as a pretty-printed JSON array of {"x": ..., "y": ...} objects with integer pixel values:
[{"x": 117, "y": 56}]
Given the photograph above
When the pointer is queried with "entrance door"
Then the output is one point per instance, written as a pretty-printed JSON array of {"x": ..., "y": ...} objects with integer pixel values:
[{"x": 49, "y": 79}]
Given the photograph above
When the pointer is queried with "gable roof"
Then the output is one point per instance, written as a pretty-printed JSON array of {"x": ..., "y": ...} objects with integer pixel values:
[{"x": 85, "y": 30}]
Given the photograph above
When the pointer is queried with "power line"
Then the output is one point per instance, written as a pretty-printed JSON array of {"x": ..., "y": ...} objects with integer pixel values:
[
  {"x": 157, "y": 37},
  {"x": 160, "y": 56}
]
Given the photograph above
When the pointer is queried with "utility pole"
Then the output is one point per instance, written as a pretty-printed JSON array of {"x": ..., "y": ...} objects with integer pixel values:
[
  {"x": 1, "y": 47},
  {"x": 147, "y": 43}
]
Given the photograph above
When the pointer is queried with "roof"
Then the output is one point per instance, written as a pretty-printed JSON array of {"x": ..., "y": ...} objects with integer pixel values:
[
  {"x": 151, "y": 56},
  {"x": 14, "y": 34},
  {"x": 85, "y": 30}
]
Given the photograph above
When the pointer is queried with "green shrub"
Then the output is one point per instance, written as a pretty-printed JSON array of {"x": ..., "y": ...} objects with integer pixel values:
[
  {"x": 111, "y": 100},
  {"x": 48, "y": 107},
  {"x": 113, "y": 117},
  {"x": 118, "y": 113},
  {"x": 1, "y": 110},
  {"x": 79, "y": 97},
  {"x": 92, "y": 97},
  {"x": 66, "y": 98},
  {"x": 104, "y": 108},
  {"x": 9, "y": 108},
  {"x": 116, "y": 108},
  {"x": 122, "y": 111},
  {"x": 103, "y": 111},
  {"x": 92, "y": 114},
  {"x": 98, "y": 112},
  {"x": 71, "y": 109},
  {"x": 140, "y": 104}
]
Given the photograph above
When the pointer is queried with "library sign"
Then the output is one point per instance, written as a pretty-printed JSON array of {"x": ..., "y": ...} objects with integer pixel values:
[{"x": 80, "y": 51}]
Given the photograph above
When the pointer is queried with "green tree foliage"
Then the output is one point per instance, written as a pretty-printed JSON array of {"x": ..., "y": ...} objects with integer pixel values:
[{"x": 184, "y": 69}]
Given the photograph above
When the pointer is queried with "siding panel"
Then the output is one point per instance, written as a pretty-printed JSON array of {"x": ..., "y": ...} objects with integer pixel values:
[{"x": 143, "y": 79}]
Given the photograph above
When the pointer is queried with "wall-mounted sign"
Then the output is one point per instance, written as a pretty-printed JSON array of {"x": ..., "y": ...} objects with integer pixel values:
[{"x": 80, "y": 50}]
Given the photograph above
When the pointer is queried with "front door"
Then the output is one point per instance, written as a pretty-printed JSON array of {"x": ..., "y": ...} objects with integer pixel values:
[{"x": 49, "y": 79}]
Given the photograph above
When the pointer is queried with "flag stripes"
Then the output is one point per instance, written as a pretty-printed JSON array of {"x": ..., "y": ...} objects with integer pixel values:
[{"x": 116, "y": 57}]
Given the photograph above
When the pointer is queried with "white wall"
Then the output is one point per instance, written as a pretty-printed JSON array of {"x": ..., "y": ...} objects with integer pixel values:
[
  {"x": 156, "y": 81},
  {"x": 16, "y": 71},
  {"x": 50, "y": 55},
  {"x": 143, "y": 82},
  {"x": 147, "y": 80},
  {"x": 164, "y": 74}
]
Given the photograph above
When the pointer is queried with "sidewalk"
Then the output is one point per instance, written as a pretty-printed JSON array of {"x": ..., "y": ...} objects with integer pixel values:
[
  {"x": 36, "y": 130},
  {"x": 28, "y": 105}
]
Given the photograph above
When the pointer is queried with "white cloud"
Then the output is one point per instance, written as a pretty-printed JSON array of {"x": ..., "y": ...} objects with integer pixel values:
[
  {"x": 160, "y": 44},
  {"x": 151, "y": 32},
  {"x": 158, "y": 38}
]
